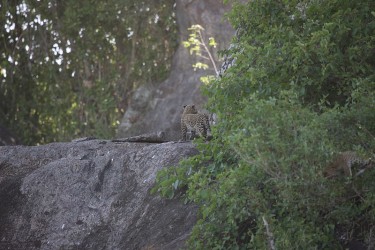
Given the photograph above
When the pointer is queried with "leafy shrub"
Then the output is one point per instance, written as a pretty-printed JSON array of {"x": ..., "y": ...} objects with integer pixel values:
[{"x": 302, "y": 89}]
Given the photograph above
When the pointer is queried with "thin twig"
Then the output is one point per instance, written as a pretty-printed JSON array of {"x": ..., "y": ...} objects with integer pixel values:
[
  {"x": 208, "y": 52},
  {"x": 271, "y": 241}
]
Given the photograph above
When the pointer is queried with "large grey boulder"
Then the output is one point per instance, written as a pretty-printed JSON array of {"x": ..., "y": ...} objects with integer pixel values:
[
  {"x": 158, "y": 106},
  {"x": 90, "y": 194}
]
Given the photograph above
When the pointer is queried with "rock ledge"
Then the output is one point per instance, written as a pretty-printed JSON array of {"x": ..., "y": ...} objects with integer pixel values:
[{"x": 90, "y": 194}]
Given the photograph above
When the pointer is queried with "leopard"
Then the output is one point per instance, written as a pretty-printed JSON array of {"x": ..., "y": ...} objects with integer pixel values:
[
  {"x": 195, "y": 122},
  {"x": 189, "y": 109},
  {"x": 345, "y": 163}
]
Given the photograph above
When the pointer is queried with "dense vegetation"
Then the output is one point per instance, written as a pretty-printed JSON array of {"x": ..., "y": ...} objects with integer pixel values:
[
  {"x": 67, "y": 67},
  {"x": 302, "y": 89}
]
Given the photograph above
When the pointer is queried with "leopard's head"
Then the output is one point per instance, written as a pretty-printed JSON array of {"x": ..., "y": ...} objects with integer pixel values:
[{"x": 190, "y": 109}]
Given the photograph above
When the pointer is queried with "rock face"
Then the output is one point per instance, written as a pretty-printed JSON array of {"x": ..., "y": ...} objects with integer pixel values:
[
  {"x": 158, "y": 108},
  {"x": 90, "y": 194}
]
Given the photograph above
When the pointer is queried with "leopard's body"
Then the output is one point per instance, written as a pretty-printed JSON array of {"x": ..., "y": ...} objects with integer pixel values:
[
  {"x": 195, "y": 122},
  {"x": 345, "y": 163}
]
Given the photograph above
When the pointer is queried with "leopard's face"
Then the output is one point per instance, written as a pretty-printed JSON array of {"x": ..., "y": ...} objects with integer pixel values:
[{"x": 190, "y": 109}]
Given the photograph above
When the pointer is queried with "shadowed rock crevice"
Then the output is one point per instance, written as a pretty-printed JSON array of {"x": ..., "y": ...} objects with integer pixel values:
[{"x": 98, "y": 187}]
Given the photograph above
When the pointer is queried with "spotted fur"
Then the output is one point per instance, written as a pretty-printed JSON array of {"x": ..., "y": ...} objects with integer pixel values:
[
  {"x": 345, "y": 163},
  {"x": 195, "y": 122}
]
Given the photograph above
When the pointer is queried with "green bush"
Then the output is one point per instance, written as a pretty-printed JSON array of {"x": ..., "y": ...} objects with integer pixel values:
[{"x": 301, "y": 90}]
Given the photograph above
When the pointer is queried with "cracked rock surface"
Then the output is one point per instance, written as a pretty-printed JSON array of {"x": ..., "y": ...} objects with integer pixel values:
[{"x": 90, "y": 194}]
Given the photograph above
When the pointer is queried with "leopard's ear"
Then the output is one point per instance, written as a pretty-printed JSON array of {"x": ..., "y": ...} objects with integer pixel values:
[
  {"x": 193, "y": 106},
  {"x": 185, "y": 106}
]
